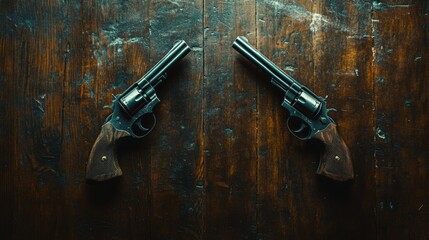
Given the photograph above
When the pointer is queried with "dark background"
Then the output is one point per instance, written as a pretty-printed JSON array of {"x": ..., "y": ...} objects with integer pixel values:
[{"x": 220, "y": 164}]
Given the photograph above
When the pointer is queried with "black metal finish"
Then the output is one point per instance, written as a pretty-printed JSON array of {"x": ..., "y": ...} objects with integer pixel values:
[
  {"x": 307, "y": 111},
  {"x": 132, "y": 110}
]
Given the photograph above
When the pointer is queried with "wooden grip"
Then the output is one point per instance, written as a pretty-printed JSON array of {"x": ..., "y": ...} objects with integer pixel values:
[
  {"x": 103, "y": 163},
  {"x": 335, "y": 162}
]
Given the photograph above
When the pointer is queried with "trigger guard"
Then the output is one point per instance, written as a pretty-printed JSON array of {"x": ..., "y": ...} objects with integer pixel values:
[{"x": 142, "y": 128}]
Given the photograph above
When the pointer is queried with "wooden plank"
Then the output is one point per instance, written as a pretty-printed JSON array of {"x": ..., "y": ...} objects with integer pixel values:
[
  {"x": 106, "y": 51},
  {"x": 400, "y": 62},
  {"x": 35, "y": 98},
  {"x": 177, "y": 170},
  {"x": 7, "y": 128},
  {"x": 328, "y": 52},
  {"x": 229, "y": 107}
]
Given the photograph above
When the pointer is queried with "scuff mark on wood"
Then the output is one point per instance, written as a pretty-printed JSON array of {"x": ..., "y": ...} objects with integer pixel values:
[{"x": 299, "y": 13}]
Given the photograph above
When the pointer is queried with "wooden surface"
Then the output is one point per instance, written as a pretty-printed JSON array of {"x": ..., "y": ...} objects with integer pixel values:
[{"x": 220, "y": 164}]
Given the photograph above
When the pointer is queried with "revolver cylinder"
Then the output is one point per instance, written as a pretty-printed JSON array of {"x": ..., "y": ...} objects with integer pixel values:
[
  {"x": 134, "y": 99},
  {"x": 307, "y": 104}
]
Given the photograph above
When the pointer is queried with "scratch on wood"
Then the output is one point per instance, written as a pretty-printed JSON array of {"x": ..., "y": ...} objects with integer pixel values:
[
  {"x": 174, "y": 3},
  {"x": 120, "y": 41},
  {"x": 197, "y": 49},
  {"x": 376, "y": 5},
  {"x": 40, "y": 102}
]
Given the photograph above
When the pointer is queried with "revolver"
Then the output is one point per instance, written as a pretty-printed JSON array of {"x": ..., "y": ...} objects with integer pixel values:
[
  {"x": 132, "y": 115},
  {"x": 308, "y": 116}
]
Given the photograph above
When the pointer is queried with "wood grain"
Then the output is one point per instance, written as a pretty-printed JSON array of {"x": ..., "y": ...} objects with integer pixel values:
[{"x": 220, "y": 163}]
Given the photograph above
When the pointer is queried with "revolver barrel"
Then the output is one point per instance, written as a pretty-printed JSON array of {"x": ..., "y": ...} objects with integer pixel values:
[{"x": 296, "y": 95}]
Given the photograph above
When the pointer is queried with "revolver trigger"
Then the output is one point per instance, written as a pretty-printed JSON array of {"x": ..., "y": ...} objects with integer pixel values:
[
  {"x": 302, "y": 127},
  {"x": 141, "y": 127},
  {"x": 144, "y": 125},
  {"x": 299, "y": 127}
]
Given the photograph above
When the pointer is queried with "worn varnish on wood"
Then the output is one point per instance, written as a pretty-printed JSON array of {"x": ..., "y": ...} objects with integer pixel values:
[{"x": 220, "y": 164}]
